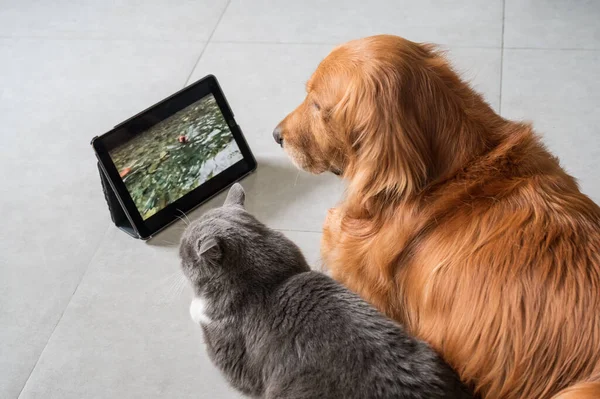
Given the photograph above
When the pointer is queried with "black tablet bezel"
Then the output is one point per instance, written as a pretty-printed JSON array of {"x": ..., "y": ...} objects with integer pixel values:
[{"x": 151, "y": 116}]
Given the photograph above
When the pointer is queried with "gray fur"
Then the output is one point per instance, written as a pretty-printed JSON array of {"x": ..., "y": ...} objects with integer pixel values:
[{"x": 279, "y": 330}]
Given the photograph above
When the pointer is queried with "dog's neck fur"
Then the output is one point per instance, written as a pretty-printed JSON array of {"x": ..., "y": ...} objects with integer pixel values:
[
  {"x": 460, "y": 128},
  {"x": 457, "y": 125}
]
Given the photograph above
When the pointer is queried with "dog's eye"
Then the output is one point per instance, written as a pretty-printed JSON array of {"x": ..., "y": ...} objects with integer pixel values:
[{"x": 317, "y": 106}]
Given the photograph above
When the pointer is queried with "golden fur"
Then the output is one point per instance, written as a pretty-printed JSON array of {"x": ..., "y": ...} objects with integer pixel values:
[{"x": 456, "y": 222}]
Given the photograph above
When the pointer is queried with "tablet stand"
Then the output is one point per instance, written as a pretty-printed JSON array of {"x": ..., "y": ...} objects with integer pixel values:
[{"x": 117, "y": 213}]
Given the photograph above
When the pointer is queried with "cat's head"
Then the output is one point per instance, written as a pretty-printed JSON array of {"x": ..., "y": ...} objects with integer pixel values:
[{"x": 229, "y": 247}]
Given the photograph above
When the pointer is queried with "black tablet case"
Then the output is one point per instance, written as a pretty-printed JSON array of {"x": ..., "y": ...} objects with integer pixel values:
[{"x": 117, "y": 213}]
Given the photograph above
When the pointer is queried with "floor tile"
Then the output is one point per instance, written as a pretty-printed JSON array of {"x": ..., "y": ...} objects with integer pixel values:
[
  {"x": 286, "y": 198},
  {"x": 127, "y": 331},
  {"x": 552, "y": 24},
  {"x": 264, "y": 82},
  {"x": 54, "y": 96},
  {"x": 558, "y": 92},
  {"x": 480, "y": 67},
  {"x": 61, "y": 91},
  {"x": 123, "y": 19},
  {"x": 463, "y": 22}
]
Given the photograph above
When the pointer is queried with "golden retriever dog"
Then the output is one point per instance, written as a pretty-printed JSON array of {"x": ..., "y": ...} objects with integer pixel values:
[{"x": 456, "y": 222}]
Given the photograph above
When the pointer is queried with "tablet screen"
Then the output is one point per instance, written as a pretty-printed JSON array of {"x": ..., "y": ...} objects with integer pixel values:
[{"x": 178, "y": 154}]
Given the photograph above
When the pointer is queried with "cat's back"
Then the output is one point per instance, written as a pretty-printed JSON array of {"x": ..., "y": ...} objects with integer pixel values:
[{"x": 325, "y": 341}]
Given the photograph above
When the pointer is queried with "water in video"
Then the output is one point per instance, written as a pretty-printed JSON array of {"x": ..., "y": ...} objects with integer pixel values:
[{"x": 176, "y": 155}]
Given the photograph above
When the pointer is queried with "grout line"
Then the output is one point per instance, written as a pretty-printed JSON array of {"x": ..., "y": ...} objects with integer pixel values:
[
  {"x": 276, "y": 42},
  {"x": 298, "y": 231},
  {"x": 258, "y": 42},
  {"x": 207, "y": 43},
  {"x": 326, "y": 43},
  {"x": 100, "y": 242},
  {"x": 443, "y": 45},
  {"x": 502, "y": 57},
  {"x": 194, "y": 65},
  {"x": 552, "y": 48},
  {"x": 99, "y": 39}
]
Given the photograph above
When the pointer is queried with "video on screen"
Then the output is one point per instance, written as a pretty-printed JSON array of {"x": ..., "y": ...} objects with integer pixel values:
[{"x": 175, "y": 156}]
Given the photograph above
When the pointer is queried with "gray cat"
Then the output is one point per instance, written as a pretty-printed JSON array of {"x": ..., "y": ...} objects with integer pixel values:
[{"x": 276, "y": 329}]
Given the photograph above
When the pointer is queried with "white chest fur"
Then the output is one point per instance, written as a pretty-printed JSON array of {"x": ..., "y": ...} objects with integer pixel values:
[{"x": 198, "y": 311}]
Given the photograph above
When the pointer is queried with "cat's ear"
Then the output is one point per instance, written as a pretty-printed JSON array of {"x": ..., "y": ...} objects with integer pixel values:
[
  {"x": 209, "y": 249},
  {"x": 236, "y": 196}
]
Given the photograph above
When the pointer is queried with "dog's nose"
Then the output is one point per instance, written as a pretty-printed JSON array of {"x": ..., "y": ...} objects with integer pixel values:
[{"x": 277, "y": 136}]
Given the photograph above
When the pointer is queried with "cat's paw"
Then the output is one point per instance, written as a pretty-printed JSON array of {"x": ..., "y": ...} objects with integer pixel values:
[{"x": 198, "y": 311}]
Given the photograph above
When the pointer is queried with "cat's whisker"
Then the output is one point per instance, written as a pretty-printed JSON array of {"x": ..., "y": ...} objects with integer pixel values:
[
  {"x": 297, "y": 176},
  {"x": 168, "y": 242},
  {"x": 185, "y": 216},
  {"x": 182, "y": 219},
  {"x": 176, "y": 287},
  {"x": 170, "y": 287},
  {"x": 167, "y": 280}
]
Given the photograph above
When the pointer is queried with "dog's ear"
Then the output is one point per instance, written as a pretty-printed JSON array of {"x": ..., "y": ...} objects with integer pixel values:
[
  {"x": 391, "y": 152},
  {"x": 236, "y": 196},
  {"x": 382, "y": 109}
]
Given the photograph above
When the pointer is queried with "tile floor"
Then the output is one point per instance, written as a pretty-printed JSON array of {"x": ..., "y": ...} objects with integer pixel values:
[{"x": 88, "y": 312}]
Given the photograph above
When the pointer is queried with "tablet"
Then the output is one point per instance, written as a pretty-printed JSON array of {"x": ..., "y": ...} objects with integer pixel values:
[{"x": 173, "y": 156}]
